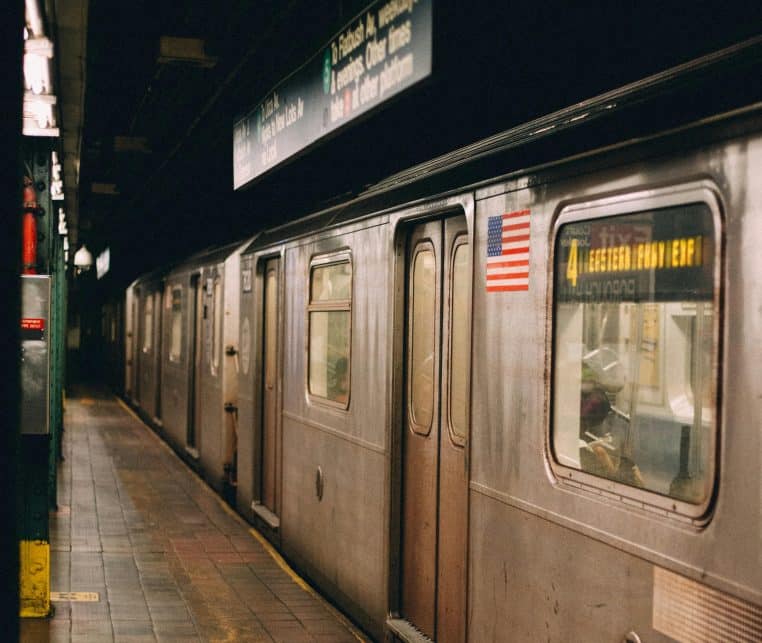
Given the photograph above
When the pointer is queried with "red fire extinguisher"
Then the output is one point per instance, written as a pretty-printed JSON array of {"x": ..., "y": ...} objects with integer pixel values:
[{"x": 29, "y": 229}]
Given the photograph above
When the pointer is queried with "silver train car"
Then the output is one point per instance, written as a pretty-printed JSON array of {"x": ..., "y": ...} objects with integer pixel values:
[
  {"x": 512, "y": 394},
  {"x": 180, "y": 367}
]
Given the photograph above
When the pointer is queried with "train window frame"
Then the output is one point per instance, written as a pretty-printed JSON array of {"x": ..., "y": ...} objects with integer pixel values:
[
  {"x": 175, "y": 357},
  {"x": 313, "y": 306},
  {"x": 700, "y": 192}
]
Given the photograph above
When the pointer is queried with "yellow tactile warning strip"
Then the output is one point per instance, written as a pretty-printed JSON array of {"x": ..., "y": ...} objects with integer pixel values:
[
  {"x": 34, "y": 578},
  {"x": 276, "y": 557},
  {"x": 75, "y": 597}
]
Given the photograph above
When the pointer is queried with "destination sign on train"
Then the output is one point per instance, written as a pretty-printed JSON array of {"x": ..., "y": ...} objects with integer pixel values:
[
  {"x": 637, "y": 257},
  {"x": 382, "y": 52}
]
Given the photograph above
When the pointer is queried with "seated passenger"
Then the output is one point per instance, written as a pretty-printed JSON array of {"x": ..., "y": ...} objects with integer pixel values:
[
  {"x": 340, "y": 388},
  {"x": 599, "y": 455}
]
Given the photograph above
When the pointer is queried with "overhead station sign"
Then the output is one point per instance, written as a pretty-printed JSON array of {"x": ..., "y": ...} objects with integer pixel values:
[{"x": 382, "y": 52}]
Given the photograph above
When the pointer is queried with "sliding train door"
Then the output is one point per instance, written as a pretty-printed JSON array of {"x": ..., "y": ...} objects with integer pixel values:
[
  {"x": 270, "y": 447},
  {"x": 158, "y": 343},
  {"x": 137, "y": 343},
  {"x": 194, "y": 389},
  {"x": 435, "y": 429}
]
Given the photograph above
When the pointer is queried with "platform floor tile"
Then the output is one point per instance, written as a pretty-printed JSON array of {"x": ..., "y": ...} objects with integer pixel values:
[{"x": 169, "y": 561}]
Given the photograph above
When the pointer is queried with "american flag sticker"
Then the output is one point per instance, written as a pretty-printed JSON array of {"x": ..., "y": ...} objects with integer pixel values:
[{"x": 508, "y": 252}]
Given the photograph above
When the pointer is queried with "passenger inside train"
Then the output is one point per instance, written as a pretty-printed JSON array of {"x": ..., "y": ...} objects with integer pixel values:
[
  {"x": 340, "y": 388},
  {"x": 599, "y": 454}
]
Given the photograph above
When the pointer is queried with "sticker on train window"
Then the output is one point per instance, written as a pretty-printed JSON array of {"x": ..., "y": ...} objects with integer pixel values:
[{"x": 635, "y": 354}]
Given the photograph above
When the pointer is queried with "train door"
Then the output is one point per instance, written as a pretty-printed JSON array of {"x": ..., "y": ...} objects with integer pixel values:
[
  {"x": 270, "y": 447},
  {"x": 144, "y": 366},
  {"x": 147, "y": 365},
  {"x": 158, "y": 316},
  {"x": 194, "y": 389},
  {"x": 435, "y": 429},
  {"x": 135, "y": 346}
]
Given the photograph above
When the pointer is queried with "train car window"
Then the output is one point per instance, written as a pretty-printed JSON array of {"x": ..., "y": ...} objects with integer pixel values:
[
  {"x": 217, "y": 322},
  {"x": 176, "y": 338},
  {"x": 329, "y": 331},
  {"x": 331, "y": 282},
  {"x": 459, "y": 340},
  {"x": 634, "y": 375},
  {"x": 148, "y": 324},
  {"x": 271, "y": 327},
  {"x": 423, "y": 322}
]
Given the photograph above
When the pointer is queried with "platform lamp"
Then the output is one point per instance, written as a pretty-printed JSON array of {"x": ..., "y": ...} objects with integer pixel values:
[{"x": 83, "y": 259}]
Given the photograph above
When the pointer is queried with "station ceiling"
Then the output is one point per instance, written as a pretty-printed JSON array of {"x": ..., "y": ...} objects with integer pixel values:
[{"x": 156, "y": 156}]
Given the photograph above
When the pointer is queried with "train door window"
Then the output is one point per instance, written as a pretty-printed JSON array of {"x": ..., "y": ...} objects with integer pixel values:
[
  {"x": 329, "y": 312},
  {"x": 217, "y": 325},
  {"x": 176, "y": 336},
  {"x": 434, "y": 512},
  {"x": 634, "y": 340},
  {"x": 148, "y": 324},
  {"x": 271, "y": 324},
  {"x": 460, "y": 340},
  {"x": 422, "y": 338}
]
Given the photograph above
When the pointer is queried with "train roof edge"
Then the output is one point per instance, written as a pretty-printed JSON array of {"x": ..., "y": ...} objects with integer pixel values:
[{"x": 653, "y": 90}]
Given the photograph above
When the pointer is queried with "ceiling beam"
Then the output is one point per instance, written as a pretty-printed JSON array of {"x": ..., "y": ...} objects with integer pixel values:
[{"x": 71, "y": 17}]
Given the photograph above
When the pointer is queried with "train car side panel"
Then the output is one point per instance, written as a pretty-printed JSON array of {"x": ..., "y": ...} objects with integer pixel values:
[
  {"x": 510, "y": 474},
  {"x": 335, "y": 458}
]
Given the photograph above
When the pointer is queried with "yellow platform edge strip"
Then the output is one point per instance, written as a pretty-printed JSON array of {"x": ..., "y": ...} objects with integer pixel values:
[
  {"x": 34, "y": 579},
  {"x": 277, "y": 558}
]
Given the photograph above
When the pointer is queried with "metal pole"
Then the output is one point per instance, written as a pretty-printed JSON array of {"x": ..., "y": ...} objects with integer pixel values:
[{"x": 697, "y": 385}]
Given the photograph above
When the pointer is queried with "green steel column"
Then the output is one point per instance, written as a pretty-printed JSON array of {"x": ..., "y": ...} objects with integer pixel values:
[
  {"x": 55, "y": 385},
  {"x": 34, "y": 527},
  {"x": 61, "y": 342},
  {"x": 38, "y": 461}
]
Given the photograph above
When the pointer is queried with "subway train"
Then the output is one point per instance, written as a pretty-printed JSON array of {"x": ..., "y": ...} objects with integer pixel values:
[{"x": 511, "y": 394}]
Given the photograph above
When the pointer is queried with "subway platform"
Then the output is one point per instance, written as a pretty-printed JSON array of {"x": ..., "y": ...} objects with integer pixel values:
[{"x": 143, "y": 550}]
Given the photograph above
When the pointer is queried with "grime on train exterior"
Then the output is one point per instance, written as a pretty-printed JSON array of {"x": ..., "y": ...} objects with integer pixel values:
[{"x": 519, "y": 408}]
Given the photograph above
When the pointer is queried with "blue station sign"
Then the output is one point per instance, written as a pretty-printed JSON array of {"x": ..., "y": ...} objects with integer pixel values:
[{"x": 382, "y": 52}]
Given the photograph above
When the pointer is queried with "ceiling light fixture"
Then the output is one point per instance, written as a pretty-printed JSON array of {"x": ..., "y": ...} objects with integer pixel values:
[
  {"x": 184, "y": 51},
  {"x": 83, "y": 259}
]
